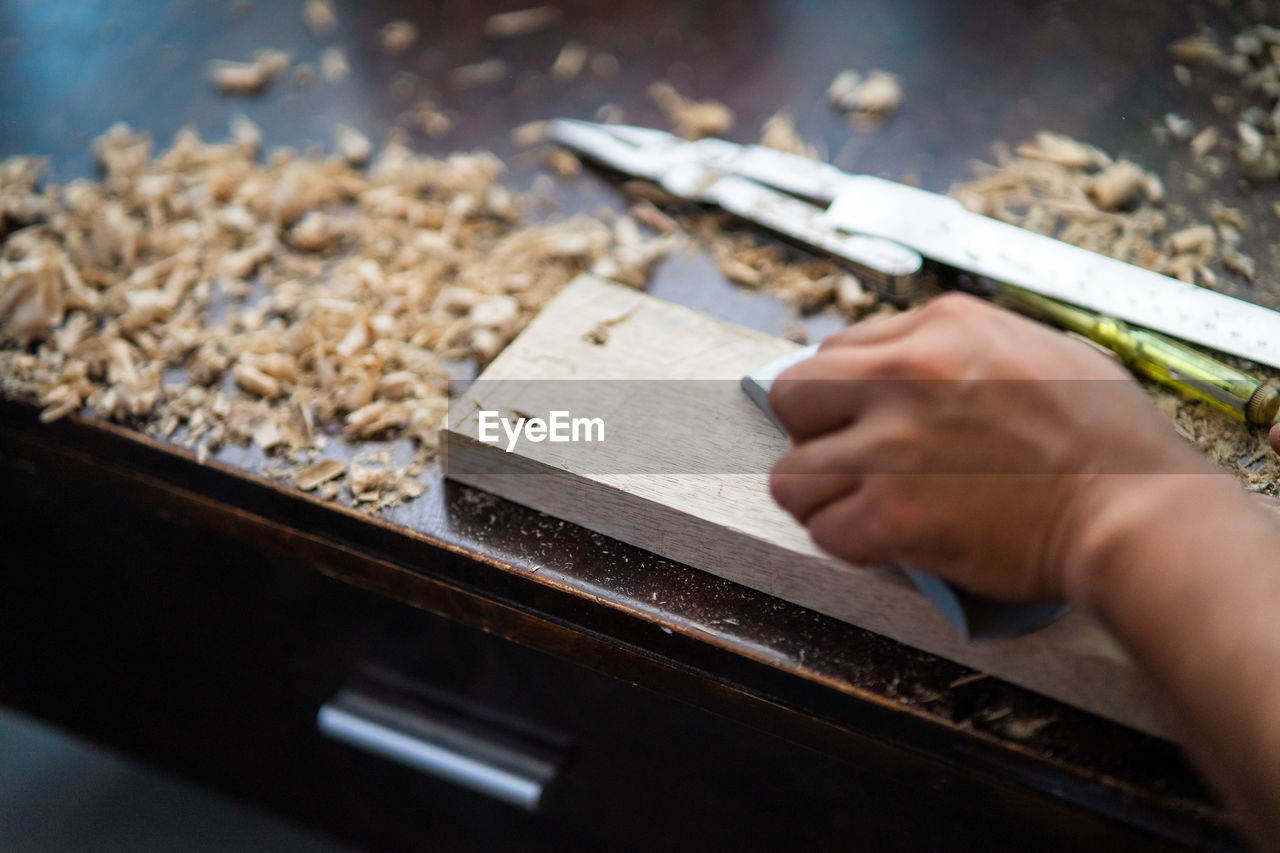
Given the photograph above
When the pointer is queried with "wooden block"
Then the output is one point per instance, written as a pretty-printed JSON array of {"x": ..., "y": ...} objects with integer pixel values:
[{"x": 683, "y": 473}]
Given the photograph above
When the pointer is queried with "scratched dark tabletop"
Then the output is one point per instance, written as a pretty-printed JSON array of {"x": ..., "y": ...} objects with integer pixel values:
[{"x": 1095, "y": 70}]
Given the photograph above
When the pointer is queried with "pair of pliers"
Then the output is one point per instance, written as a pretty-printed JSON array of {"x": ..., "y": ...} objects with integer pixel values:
[{"x": 770, "y": 188}]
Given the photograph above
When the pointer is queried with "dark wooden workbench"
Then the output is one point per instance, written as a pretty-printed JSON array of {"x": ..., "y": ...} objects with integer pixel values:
[{"x": 96, "y": 636}]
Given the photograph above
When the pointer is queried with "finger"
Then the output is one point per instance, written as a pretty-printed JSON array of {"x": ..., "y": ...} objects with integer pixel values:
[
  {"x": 1274, "y": 437},
  {"x": 828, "y": 391},
  {"x": 879, "y": 330},
  {"x": 802, "y": 495},
  {"x": 831, "y": 466},
  {"x": 805, "y": 480},
  {"x": 833, "y": 389},
  {"x": 847, "y": 529},
  {"x": 818, "y": 395}
]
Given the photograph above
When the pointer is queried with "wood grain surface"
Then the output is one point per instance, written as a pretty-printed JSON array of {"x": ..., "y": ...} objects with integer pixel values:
[{"x": 671, "y": 403}]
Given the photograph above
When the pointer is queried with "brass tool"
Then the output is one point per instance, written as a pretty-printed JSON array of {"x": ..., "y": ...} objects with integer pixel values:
[{"x": 1244, "y": 397}]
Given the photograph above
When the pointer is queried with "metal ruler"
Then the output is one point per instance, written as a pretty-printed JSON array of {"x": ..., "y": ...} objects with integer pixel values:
[{"x": 940, "y": 228}]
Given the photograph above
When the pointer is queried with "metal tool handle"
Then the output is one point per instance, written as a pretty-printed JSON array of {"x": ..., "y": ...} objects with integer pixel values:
[
  {"x": 890, "y": 268},
  {"x": 941, "y": 229},
  {"x": 438, "y": 747}
]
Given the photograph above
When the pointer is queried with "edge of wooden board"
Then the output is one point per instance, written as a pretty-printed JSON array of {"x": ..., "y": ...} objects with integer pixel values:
[{"x": 1074, "y": 660}]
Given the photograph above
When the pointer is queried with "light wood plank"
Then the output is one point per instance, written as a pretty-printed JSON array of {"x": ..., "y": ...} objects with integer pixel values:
[{"x": 721, "y": 519}]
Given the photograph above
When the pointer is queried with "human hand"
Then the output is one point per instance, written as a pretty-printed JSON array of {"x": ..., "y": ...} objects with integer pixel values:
[{"x": 963, "y": 440}]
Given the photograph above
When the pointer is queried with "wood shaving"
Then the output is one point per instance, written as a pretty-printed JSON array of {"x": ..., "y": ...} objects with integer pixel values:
[
  {"x": 313, "y": 475},
  {"x": 851, "y": 297},
  {"x": 569, "y": 61},
  {"x": 334, "y": 67},
  {"x": 478, "y": 74},
  {"x": 398, "y": 36},
  {"x": 249, "y": 78},
  {"x": 1198, "y": 239},
  {"x": 841, "y": 88},
  {"x": 779, "y": 132},
  {"x": 521, "y": 21},
  {"x": 1179, "y": 128},
  {"x": 434, "y": 122},
  {"x": 319, "y": 17},
  {"x": 530, "y": 134},
  {"x": 1201, "y": 47},
  {"x": 691, "y": 119},
  {"x": 563, "y": 163},
  {"x": 1117, "y": 186},
  {"x": 1204, "y": 141},
  {"x": 353, "y": 146},
  {"x": 212, "y": 300},
  {"x": 747, "y": 259},
  {"x": 646, "y": 213},
  {"x": 1063, "y": 150},
  {"x": 611, "y": 114},
  {"x": 878, "y": 94},
  {"x": 1025, "y": 729}
]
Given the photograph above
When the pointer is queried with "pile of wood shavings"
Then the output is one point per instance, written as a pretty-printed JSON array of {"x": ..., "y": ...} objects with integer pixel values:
[
  {"x": 1051, "y": 186},
  {"x": 753, "y": 261},
  {"x": 756, "y": 263},
  {"x": 211, "y": 299},
  {"x": 1252, "y": 56}
]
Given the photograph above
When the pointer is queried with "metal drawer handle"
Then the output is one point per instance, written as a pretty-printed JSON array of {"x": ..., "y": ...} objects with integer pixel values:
[{"x": 438, "y": 747}]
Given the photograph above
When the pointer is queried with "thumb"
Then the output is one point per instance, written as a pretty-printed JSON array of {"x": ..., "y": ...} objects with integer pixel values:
[{"x": 1275, "y": 437}]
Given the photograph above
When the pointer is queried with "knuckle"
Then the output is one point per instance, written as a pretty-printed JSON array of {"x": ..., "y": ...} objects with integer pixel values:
[
  {"x": 901, "y": 453},
  {"x": 925, "y": 359},
  {"x": 953, "y": 303},
  {"x": 792, "y": 385},
  {"x": 899, "y": 522},
  {"x": 887, "y": 528}
]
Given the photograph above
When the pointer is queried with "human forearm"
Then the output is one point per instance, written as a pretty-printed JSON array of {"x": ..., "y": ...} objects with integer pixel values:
[
  {"x": 1018, "y": 463},
  {"x": 1185, "y": 570}
]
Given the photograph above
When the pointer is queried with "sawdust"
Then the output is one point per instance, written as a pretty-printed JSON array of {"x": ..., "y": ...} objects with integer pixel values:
[
  {"x": 874, "y": 97},
  {"x": 249, "y": 78},
  {"x": 334, "y": 67},
  {"x": 319, "y": 17},
  {"x": 569, "y": 61},
  {"x": 691, "y": 119},
  {"x": 478, "y": 74},
  {"x": 398, "y": 36},
  {"x": 212, "y": 299},
  {"x": 779, "y": 133},
  {"x": 521, "y": 21}
]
